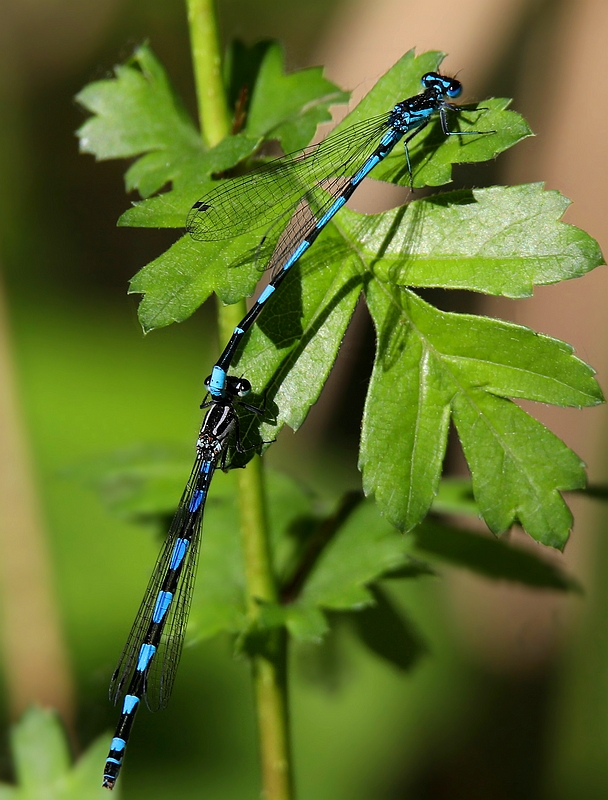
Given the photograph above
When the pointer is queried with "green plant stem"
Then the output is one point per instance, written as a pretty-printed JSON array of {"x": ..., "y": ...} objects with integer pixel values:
[
  {"x": 268, "y": 666},
  {"x": 270, "y": 683},
  {"x": 258, "y": 569},
  {"x": 214, "y": 117}
]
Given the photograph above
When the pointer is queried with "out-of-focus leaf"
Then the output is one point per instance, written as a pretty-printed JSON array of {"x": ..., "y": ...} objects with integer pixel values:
[
  {"x": 138, "y": 482},
  {"x": 493, "y": 558},
  {"x": 387, "y": 633},
  {"x": 455, "y": 496},
  {"x": 43, "y": 766}
]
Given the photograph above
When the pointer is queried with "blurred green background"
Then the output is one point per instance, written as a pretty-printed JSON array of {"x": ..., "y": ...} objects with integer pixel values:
[{"x": 511, "y": 698}]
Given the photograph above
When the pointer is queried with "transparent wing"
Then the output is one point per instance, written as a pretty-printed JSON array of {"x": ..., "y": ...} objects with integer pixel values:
[
  {"x": 257, "y": 199},
  {"x": 304, "y": 219},
  {"x": 164, "y": 666},
  {"x": 185, "y": 524}
]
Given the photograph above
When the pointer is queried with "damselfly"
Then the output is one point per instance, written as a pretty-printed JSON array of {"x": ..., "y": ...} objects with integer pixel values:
[
  {"x": 313, "y": 184},
  {"x": 148, "y": 664}
]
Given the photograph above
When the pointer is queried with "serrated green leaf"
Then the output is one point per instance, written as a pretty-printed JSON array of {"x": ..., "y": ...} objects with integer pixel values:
[
  {"x": 137, "y": 113},
  {"x": 425, "y": 361},
  {"x": 180, "y": 280},
  {"x": 432, "y": 154},
  {"x": 360, "y": 249},
  {"x": 499, "y": 241},
  {"x": 533, "y": 465},
  {"x": 493, "y": 558},
  {"x": 292, "y": 348},
  {"x": 190, "y": 180},
  {"x": 290, "y": 107},
  {"x": 431, "y": 364},
  {"x": 277, "y": 112}
]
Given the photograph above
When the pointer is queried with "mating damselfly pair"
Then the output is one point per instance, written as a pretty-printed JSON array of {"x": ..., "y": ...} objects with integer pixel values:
[{"x": 313, "y": 184}]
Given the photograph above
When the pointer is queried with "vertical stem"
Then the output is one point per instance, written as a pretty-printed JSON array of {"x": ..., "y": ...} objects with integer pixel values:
[
  {"x": 270, "y": 684},
  {"x": 214, "y": 116},
  {"x": 258, "y": 569},
  {"x": 268, "y": 667},
  {"x": 212, "y": 107}
]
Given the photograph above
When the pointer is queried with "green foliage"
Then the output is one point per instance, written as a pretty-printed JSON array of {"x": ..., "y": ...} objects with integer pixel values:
[
  {"x": 41, "y": 757},
  {"x": 288, "y": 108},
  {"x": 326, "y": 559},
  {"x": 431, "y": 366}
]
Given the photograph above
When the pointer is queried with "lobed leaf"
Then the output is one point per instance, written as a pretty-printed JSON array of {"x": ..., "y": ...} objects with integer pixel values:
[
  {"x": 431, "y": 365},
  {"x": 499, "y": 241},
  {"x": 432, "y": 154},
  {"x": 283, "y": 107},
  {"x": 189, "y": 178},
  {"x": 429, "y": 361},
  {"x": 136, "y": 113},
  {"x": 176, "y": 283},
  {"x": 289, "y": 107}
]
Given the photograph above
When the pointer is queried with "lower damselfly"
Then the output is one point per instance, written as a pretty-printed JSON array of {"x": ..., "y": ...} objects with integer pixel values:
[{"x": 147, "y": 667}]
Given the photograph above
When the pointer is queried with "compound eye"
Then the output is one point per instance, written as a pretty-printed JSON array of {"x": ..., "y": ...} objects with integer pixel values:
[
  {"x": 429, "y": 79},
  {"x": 243, "y": 387},
  {"x": 454, "y": 89}
]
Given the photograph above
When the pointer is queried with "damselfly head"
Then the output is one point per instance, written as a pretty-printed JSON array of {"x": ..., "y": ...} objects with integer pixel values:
[{"x": 449, "y": 86}]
